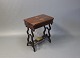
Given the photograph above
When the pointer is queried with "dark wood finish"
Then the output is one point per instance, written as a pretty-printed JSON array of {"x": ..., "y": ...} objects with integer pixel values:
[
  {"x": 37, "y": 22},
  {"x": 47, "y": 35}
]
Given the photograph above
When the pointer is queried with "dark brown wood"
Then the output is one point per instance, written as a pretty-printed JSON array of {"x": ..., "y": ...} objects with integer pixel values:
[
  {"x": 48, "y": 34},
  {"x": 28, "y": 36},
  {"x": 37, "y": 22}
]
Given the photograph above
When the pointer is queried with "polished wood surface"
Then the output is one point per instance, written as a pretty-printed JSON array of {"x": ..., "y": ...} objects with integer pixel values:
[{"x": 38, "y": 21}]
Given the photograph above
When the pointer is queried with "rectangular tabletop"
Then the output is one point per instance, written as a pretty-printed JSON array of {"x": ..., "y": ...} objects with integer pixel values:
[{"x": 38, "y": 21}]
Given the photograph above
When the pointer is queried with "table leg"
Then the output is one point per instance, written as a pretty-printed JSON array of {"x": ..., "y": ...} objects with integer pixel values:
[
  {"x": 44, "y": 31},
  {"x": 48, "y": 35},
  {"x": 30, "y": 43},
  {"x": 28, "y": 36},
  {"x": 32, "y": 40}
]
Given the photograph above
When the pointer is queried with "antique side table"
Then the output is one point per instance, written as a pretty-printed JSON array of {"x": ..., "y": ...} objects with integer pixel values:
[{"x": 37, "y": 22}]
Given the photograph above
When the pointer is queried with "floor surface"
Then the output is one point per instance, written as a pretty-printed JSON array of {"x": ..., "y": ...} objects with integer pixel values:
[{"x": 64, "y": 45}]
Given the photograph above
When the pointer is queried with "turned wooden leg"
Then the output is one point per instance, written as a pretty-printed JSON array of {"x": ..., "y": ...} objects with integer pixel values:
[
  {"x": 44, "y": 31},
  {"x": 28, "y": 36},
  {"x": 32, "y": 40},
  {"x": 47, "y": 35}
]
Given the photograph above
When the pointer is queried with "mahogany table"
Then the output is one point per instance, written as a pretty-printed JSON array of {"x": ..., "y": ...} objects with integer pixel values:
[{"x": 35, "y": 23}]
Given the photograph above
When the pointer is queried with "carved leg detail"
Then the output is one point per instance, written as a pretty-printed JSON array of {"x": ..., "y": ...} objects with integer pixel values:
[
  {"x": 28, "y": 36},
  {"x": 32, "y": 40},
  {"x": 44, "y": 31},
  {"x": 48, "y": 35}
]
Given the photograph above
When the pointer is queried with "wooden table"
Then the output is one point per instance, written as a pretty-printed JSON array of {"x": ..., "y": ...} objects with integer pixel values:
[{"x": 37, "y": 22}]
